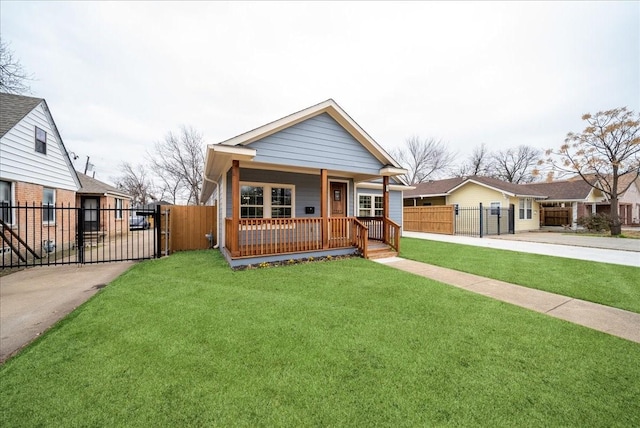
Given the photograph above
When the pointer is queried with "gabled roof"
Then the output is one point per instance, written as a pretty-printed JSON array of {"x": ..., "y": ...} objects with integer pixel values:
[
  {"x": 449, "y": 185},
  {"x": 565, "y": 190},
  {"x": 91, "y": 186},
  {"x": 13, "y": 108},
  {"x": 332, "y": 109},
  {"x": 220, "y": 155}
]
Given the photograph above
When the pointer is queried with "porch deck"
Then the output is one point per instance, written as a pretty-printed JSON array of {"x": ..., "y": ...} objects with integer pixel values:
[{"x": 257, "y": 240}]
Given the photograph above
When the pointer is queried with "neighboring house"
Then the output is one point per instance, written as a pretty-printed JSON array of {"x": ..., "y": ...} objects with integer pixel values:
[
  {"x": 35, "y": 169},
  {"x": 106, "y": 207},
  {"x": 302, "y": 186},
  {"x": 472, "y": 191},
  {"x": 577, "y": 196}
]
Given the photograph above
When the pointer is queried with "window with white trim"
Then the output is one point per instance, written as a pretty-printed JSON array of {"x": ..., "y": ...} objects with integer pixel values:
[
  {"x": 264, "y": 200},
  {"x": 525, "y": 210},
  {"x": 119, "y": 209},
  {"x": 370, "y": 206},
  {"x": 6, "y": 202},
  {"x": 495, "y": 208},
  {"x": 48, "y": 204},
  {"x": 41, "y": 141}
]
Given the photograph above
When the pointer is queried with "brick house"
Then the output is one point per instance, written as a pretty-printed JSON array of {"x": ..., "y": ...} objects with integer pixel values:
[
  {"x": 107, "y": 209},
  {"x": 35, "y": 170}
]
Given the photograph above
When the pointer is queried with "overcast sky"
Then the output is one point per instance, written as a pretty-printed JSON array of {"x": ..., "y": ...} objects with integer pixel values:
[{"x": 118, "y": 76}]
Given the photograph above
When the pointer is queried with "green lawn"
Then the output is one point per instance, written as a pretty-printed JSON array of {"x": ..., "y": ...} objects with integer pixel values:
[
  {"x": 185, "y": 341},
  {"x": 604, "y": 283}
]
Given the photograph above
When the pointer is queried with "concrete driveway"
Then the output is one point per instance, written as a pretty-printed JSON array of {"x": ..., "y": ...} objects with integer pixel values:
[{"x": 34, "y": 299}]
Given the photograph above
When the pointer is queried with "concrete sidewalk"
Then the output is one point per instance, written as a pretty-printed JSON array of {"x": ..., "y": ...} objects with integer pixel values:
[
  {"x": 560, "y": 248},
  {"x": 616, "y": 322}
]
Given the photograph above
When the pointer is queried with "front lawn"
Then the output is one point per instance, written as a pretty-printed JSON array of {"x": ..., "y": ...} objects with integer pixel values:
[
  {"x": 604, "y": 283},
  {"x": 185, "y": 341}
]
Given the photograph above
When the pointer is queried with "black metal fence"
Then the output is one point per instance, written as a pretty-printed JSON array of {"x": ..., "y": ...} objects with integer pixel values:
[
  {"x": 35, "y": 235},
  {"x": 481, "y": 221}
]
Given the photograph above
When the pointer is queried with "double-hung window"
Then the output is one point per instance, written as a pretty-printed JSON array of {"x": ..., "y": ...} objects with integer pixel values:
[
  {"x": 265, "y": 200},
  {"x": 118, "y": 209},
  {"x": 5, "y": 202},
  {"x": 48, "y": 206},
  {"x": 525, "y": 209},
  {"x": 41, "y": 141},
  {"x": 369, "y": 206}
]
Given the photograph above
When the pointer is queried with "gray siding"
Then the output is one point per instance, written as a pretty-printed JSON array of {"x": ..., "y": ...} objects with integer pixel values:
[
  {"x": 307, "y": 192},
  {"x": 318, "y": 142}
]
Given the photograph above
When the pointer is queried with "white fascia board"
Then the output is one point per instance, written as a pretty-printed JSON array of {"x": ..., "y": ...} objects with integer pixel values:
[
  {"x": 392, "y": 171},
  {"x": 432, "y": 195},
  {"x": 399, "y": 187},
  {"x": 505, "y": 192}
]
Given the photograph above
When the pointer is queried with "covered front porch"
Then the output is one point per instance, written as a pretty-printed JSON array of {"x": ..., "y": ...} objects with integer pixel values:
[{"x": 329, "y": 232}]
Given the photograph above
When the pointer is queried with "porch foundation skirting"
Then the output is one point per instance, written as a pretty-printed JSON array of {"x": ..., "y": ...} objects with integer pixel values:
[{"x": 256, "y": 260}]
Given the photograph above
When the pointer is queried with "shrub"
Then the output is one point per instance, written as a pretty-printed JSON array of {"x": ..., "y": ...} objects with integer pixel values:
[{"x": 595, "y": 222}]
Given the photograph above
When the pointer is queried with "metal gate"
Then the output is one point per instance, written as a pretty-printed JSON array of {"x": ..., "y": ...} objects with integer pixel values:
[{"x": 55, "y": 235}]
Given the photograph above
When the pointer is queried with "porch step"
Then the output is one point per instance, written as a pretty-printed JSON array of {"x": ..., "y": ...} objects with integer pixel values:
[{"x": 378, "y": 250}]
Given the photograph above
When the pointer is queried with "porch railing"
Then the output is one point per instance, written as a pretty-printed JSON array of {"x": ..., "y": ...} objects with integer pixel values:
[
  {"x": 262, "y": 237},
  {"x": 377, "y": 227}
]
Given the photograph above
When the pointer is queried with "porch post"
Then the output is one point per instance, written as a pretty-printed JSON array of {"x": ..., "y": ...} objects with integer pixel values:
[
  {"x": 235, "y": 208},
  {"x": 574, "y": 215},
  {"x": 385, "y": 208},
  {"x": 324, "y": 209}
]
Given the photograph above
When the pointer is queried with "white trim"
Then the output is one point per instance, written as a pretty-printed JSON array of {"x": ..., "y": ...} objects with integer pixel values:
[
  {"x": 266, "y": 206},
  {"x": 378, "y": 186},
  {"x": 337, "y": 180},
  {"x": 392, "y": 171},
  {"x": 372, "y": 210}
]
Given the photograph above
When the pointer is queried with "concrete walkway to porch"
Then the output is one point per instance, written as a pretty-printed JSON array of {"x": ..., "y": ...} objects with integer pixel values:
[{"x": 617, "y": 322}]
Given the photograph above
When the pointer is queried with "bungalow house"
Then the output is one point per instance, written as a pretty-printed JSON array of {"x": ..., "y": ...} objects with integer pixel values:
[
  {"x": 493, "y": 194},
  {"x": 106, "y": 207},
  {"x": 35, "y": 169},
  {"x": 583, "y": 199},
  {"x": 566, "y": 201},
  {"x": 310, "y": 184}
]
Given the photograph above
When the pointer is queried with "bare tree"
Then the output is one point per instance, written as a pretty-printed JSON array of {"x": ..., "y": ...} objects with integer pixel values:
[
  {"x": 135, "y": 181},
  {"x": 516, "y": 165},
  {"x": 606, "y": 150},
  {"x": 13, "y": 78},
  {"x": 179, "y": 161},
  {"x": 478, "y": 163},
  {"x": 424, "y": 159}
]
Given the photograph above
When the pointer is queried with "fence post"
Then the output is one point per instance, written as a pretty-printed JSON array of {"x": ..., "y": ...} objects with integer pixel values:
[
  {"x": 512, "y": 219},
  {"x": 156, "y": 223},
  {"x": 80, "y": 232},
  {"x": 481, "y": 225}
]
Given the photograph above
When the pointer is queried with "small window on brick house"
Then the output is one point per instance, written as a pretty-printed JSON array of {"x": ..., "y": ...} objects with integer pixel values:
[
  {"x": 48, "y": 206},
  {"x": 6, "y": 214},
  {"x": 41, "y": 141}
]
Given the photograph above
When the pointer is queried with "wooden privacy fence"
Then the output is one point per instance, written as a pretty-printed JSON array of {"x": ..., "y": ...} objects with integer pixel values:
[
  {"x": 435, "y": 219},
  {"x": 185, "y": 228},
  {"x": 555, "y": 216}
]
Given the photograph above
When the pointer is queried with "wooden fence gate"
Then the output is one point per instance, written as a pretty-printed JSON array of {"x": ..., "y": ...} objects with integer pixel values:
[
  {"x": 191, "y": 227},
  {"x": 555, "y": 216},
  {"x": 436, "y": 219}
]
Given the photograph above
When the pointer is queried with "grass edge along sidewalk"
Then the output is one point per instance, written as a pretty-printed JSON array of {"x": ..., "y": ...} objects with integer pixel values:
[
  {"x": 607, "y": 284},
  {"x": 186, "y": 341}
]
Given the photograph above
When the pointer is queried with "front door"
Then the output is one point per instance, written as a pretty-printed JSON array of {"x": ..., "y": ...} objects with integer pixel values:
[
  {"x": 338, "y": 199},
  {"x": 91, "y": 214}
]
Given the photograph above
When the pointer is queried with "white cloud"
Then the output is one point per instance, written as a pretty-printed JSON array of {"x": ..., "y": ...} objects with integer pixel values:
[{"x": 119, "y": 75}]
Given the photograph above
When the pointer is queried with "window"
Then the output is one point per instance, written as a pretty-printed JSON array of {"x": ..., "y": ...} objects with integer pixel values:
[
  {"x": 118, "y": 209},
  {"x": 48, "y": 203},
  {"x": 277, "y": 204},
  {"x": 525, "y": 209},
  {"x": 370, "y": 206},
  {"x": 495, "y": 208},
  {"x": 5, "y": 202},
  {"x": 41, "y": 141}
]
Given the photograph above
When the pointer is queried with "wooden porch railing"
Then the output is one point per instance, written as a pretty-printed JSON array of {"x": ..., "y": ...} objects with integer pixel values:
[
  {"x": 377, "y": 226},
  {"x": 262, "y": 237}
]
